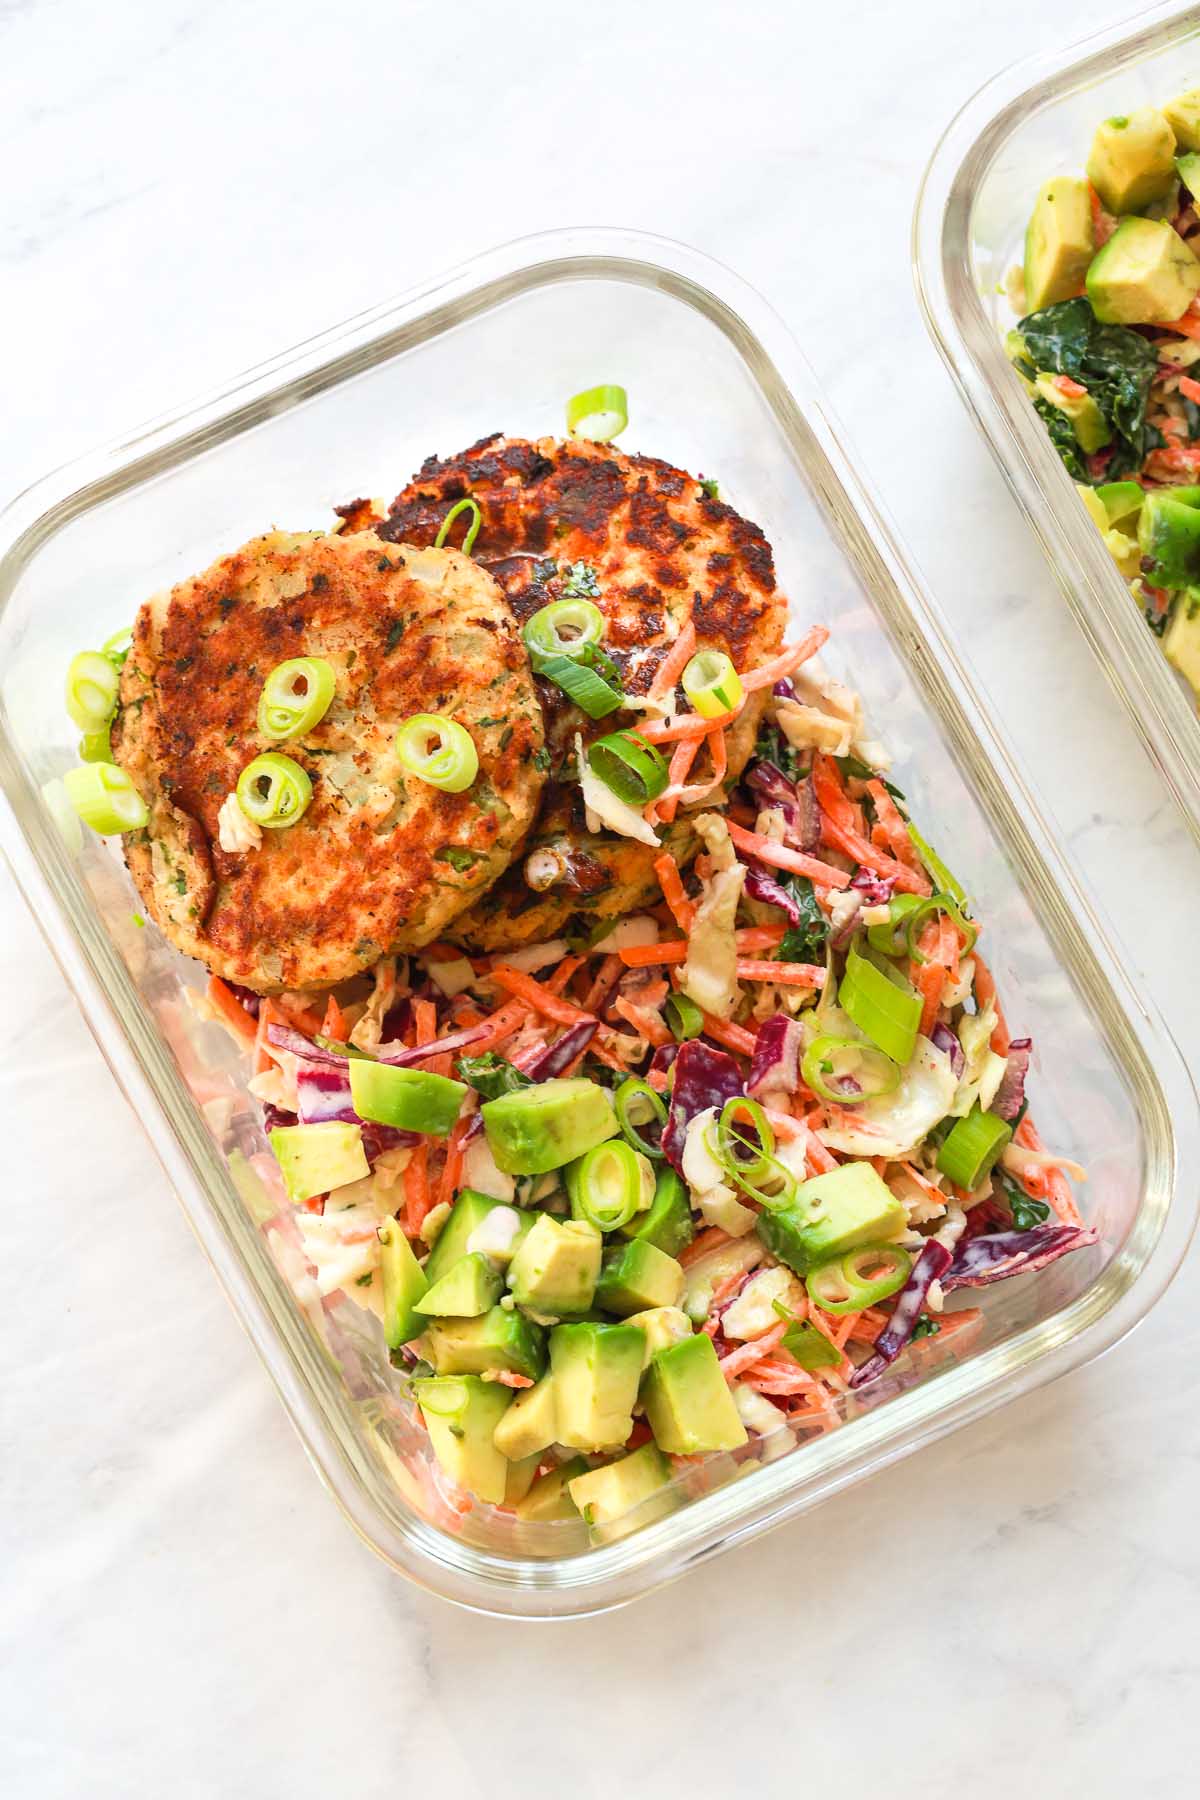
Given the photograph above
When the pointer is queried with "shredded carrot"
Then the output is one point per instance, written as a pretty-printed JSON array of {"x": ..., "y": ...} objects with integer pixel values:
[
  {"x": 267, "y": 1016},
  {"x": 524, "y": 987},
  {"x": 504, "y": 1021},
  {"x": 686, "y": 725},
  {"x": 452, "y": 1171},
  {"x": 667, "y": 805},
  {"x": 558, "y": 981},
  {"x": 889, "y": 831},
  {"x": 818, "y": 1158},
  {"x": 1189, "y": 387},
  {"x": 712, "y": 1239},
  {"x": 746, "y": 1355},
  {"x": 674, "y": 662},
  {"x": 929, "y": 979},
  {"x": 417, "y": 1199},
  {"x": 674, "y": 950},
  {"x": 787, "y": 974},
  {"x": 1188, "y": 326},
  {"x": 985, "y": 990},
  {"x": 509, "y": 1378},
  {"x": 334, "y": 1024},
  {"x": 734, "y": 1037},
  {"x": 671, "y": 883},
  {"x": 832, "y": 798},
  {"x": 788, "y": 659},
  {"x": 606, "y": 979},
  {"x": 780, "y": 856},
  {"x": 837, "y": 837},
  {"x": 233, "y": 1013},
  {"x": 299, "y": 1015},
  {"x": 1057, "y": 1187},
  {"x": 644, "y": 1020}
]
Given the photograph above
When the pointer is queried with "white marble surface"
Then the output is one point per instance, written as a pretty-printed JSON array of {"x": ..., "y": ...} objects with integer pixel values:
[{"x": 187, "y": 188}]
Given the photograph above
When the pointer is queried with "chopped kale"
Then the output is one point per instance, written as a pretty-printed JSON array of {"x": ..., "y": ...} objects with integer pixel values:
[
  {"x": 1114, "y": 364},
  {"x": 491, "y": 1076},
  {"x": 806, "y": 941},
  {"x": 711, "y": 486},
  {"x": 459, "y": 857}
]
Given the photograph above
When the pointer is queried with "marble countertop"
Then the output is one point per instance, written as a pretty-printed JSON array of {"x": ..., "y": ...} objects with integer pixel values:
[{"x": 190, "y": 188}]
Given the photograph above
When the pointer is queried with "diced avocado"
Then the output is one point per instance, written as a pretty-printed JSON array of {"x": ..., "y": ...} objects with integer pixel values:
[
  {"x": 687, "y": 1400},
  {"x": 1144, "y": 275},
  {"x": 1059, "y": 242},
  {"x": 1094, "y": 504},
  {"x": 661, "y": 1326},
  {"x": 606, "y": 1495},
  {"x": 1087, "y": 421},
  {"x": 636, "y": 1275},
  {"x": 465, "y": 1291},
  {"x": 1120, "y": 499},
  {"x": 500, "y": 1339},
  {"x": 1189, "y": 172},
  {"x": 1183, "y": 116},
  {"x": 596, "y": 1369},
  {"x": 409, "y": 1099},
  {"x": 468, "y": 1211},
  {"x": 535, "y": 1129},
  {"x": 556, "y": 1266},
  {"x": 315, "y": 1158},
  {"x": 403, "y": 1285},
  {"x": 667, "y": 1224},
  {"x": 1169, "y": 535},
  {"x": 831, "y": 1214},
  {"x": 531, "y": 1422},
  {"x": 500, "y": 1232},
  {"x": 1132, "y": 160},
  {"x": 707, "y": 1273},
  {"x": 1181, "y": 640},
  {"x": 461, "y": 1416},
  {"x": 521, "y": 1477},
  {"x": 550, "y": 1497},
  {"x": 1124, "y": 552}
]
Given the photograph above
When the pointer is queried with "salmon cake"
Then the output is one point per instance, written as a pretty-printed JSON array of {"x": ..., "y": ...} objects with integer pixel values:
[
  {"x": 652, "y": 546},
  {"x": 381, "y": 861}
]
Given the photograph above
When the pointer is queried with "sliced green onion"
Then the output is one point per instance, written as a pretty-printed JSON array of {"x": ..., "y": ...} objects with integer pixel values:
[
  {"x": 599, "y": 413},
  {"x": 273, "y": 791},
  {"x": 58, "y": 805},
  {"x": 885, "y": 1007},
  {"x": 564, "y": 628},
  {"x": 830, "y": 1063},
  {"x": 973, "y": 1146},
  {"x": 590, "y": 692},
  {"x": 438, "y": 750},
  {"x": 933, "y": 908},
  {"x": 606, "y": 1185},
  {"x": 96, "y": 746},
  {"x": 468, "y": 543},
  {"x": 634, "y": 770},
  {"x": 810, "y": 1347},
  {"x": 105, "y": 798},
  {"x": 851, "y": 1283},
  {"x": 712, "y": 684},
  {"x": 756, "y": 1158},
  {"x": 937, "y": 868},
  {"x": 92, "y": 685},
  {"x": 891, "y": 939},
  {"x": 118, "y": 646},
  {"x": 296, "y": 695},
  {"x": 684, "y": 1018},
  {"x": 636, "y": 1103}
]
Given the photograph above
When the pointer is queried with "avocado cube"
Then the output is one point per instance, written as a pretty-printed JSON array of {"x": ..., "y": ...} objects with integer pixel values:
[
  {"x": 531, "y": 1423},
  {"x": 465, "y": 1291},
  {"x": 1183, "y": 116},
  {"x": 1144, "y": 275},
  {"x": 1088, "y": 423},
  {"x": 831, "y": 1214},
  {"x": 661, "y": 1326},
  {"x": 556, "y": 1266},
  {"x": 596, "y": 1370},
  {"x": 461, "y": 1416},
  {"x": 403, "y": 1285},
  {"x": 550, "y": 1496},
  {"x": 408, "y": 1099},
  {"x": 1189, "y": 172},
  {"x": 635, "y": 1276},
  {"x": 606, "y": 1495},
  {"x": 667, "y": 1223},
  {"x": 1181, "y": 641},
  {"x": 468, "y": 1212},
  {"x": 1132, "y": 160},
  {"x": 315, "y": 1158},
  {"x": 535, "y": 1129},
  {"x": 1122, "y": 500},
  {"x": 687, "y": 1399},
  {"x": 1059, "y": 242},
  {"x": 499, "y": 1339},
  {"x": 1169, "y": 535},
  {"x": 521, "y": 1477}
]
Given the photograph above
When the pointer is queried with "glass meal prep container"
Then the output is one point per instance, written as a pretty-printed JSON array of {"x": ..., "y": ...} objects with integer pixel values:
[
  {"x": 717, "y": 385},
  {"x": 1034, "y": 121}
]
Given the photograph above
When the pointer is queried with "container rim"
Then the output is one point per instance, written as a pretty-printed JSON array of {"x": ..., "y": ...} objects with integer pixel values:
[{"x": 1132, "y": 1281}]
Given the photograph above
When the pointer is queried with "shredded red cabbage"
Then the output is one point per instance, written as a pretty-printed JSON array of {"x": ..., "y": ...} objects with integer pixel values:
[
  {"x": 703, "y": 1078},
  {"x": 981, "y": 1260},
  {"x": 1010, "y": 1095},
  {"x": 559, "y": 1055},
  {"x": 928, "y": 1268},
  {"x": 876, "y": 890},
  {"x": 276, "y": 1115},
  {"x": 762, "y": 884},
  {"x": 784, "y": 690},
  {"x": 944, "y": 1039},
  {"x": 662, "y": 1060},
  {"x": 797, "y": 800},
  {"x": 248, "y": 998},
  {"x": 285, "y": 1038},
  {"x": 776, "y": 1061},
  {"x": 324, "y": 1095}
]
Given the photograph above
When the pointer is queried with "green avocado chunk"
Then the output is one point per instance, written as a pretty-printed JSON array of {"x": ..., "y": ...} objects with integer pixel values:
[
  {"x": 1132, "y": 160},
  {"x": 461, "y": 1415},
  {"x": 661, "y": 1326},
  {"x": 831, "y": 1214},
  {"x": 465, "y": 1291},
  {"x": 403, "y": 1285},
  {"x": 1183, "y": 116},
  {"x": 596, "y": 1370},
  {"x": 1059, "y": 242},
  {"x": 469, "y": 1210},
  {"x": 1189, "y": 172},
  {"x": 550, "y": 1496},
  {"x": 635, "y": 1276},
  {"x": 1121, "y": 499},
  {"x": 556, "y": 1265},
  {"x": 315, "y": 1158},
  {"x": 531, "y": 1423},
  {"x": 499, "y": 1339},
  {"x": 688, "y": 1402},
  {"x": 1145, "y": 275},
  {"x": 1181, "y": 641},
  {"x": 667, "y": 1223},
  {"x": 1089, "y": 424},
  {"x": 605, "y": 1495},
  {"x": 1169, "y": 534},
  {"x": 536, "y": 1129},
  {"x": 521, "y": 1477},
  {"x": 409, "y": 1099}
]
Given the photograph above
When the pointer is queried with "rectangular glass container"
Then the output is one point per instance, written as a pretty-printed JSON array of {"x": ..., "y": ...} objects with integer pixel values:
[
  {"x": 717, "y": 385},
  {"x": 1034, "y": 121}
]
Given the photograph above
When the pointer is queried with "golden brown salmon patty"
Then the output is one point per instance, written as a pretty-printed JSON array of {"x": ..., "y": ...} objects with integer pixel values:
[
  {"x": 381, "y": 860},
  {"x": 658, "y": 548}
]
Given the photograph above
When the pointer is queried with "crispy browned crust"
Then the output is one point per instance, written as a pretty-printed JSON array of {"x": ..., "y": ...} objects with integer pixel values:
[
  {"x": 380, "y": 861},
  {"x": 661, "y": 547}
]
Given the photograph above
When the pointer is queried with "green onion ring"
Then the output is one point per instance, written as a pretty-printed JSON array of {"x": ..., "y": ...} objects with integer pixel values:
[
  {"x": 438, "y": 750},
  {"x": 874, "y": 1072},
  {"x": 564, "y": 628},
  {"x": 91, "y": 690},
  {"x": 712, "y": 684},
  {"x": 841, "y": 1286},
  {"x": 607, "y": 1184},
  {"x": 599, "y": 413},
  {"x": 96, "y": 746},
  {"x": 891, "y": 939},
  {"x": 105, "y": 798},
  {"x": 634, "y": 770},
  {"x": 590, "y": 692},
  {"x": 919, "y": 917},
  {"x": 684, "y": 1018},
  {"x": 465, "y": 505},
  {"x": 295, "y": 696},
  {"x": 273, "y": 791},
  {"x": 637, "y": 1097},
  {"x": 118, "y": 646}
]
